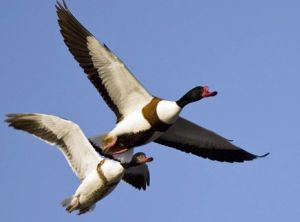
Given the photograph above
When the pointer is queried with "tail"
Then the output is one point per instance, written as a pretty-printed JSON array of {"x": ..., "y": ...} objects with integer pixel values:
[
  {"x": 71, "y": 203},
  {"x": 85, "y": 210}
]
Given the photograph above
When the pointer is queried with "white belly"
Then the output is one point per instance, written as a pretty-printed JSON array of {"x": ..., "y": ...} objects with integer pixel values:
[
  {"x": 132, "y": 124},
  {"x": 87, "y": 189},
  {"x": 93, "y": 188}
]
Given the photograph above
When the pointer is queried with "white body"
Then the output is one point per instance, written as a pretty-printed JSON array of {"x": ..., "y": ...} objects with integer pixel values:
[
  {"x": 167, "y": 111},
  {"x": 133, "y": 123},
  {"x": 93, "y": 188}
]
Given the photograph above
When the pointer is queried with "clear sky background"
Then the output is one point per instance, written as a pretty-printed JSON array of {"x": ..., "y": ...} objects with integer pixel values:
[{"x": 247, "y": 50}]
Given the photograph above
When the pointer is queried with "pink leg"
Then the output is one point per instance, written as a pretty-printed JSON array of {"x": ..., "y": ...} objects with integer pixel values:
[
  {"x": 109, "y": 146},
  {"x": 108, "y": 143}
]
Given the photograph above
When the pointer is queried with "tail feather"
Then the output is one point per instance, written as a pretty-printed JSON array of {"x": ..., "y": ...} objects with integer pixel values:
[
  {"x": 66, "y": 201},
  {"x": 70, "y": 203},
  {"x": 85, "y": 210}
]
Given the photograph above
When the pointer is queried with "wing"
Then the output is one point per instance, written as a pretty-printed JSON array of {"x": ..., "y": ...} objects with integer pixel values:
[
  {"x": 67, "y": 135},
  {"x": 138, "y": 177},
  {"x": 191, "y": 138},
  {"x": 118, "y": 87}
]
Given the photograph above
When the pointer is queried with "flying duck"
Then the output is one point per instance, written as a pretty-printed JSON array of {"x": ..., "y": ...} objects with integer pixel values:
[
  {"x": 98, "y": 175},
  {"x": 141, "y": 117}
]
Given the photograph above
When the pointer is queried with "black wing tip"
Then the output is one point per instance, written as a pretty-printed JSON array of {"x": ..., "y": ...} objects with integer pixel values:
[
  {"x": 61, "y": 6},
  {"x": 70, "y": 28},
  {"x": 9, "y": 118},
  {"x": 264, "y": 155},
  {"x": 20, "y": 121},
  {"x": 9, "y": 115},
  {"x": 19, "y": 115},
  {"x": 13, "y": 117},
  {"x": 62, "y": 9},
  {"x": 249, "y": 157},
  {"x": 141, "y": 188}
]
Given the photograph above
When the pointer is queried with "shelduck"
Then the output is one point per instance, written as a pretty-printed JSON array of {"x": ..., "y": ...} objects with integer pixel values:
[
  {"x": 141, "y": 117},
  {"x": 99, "y": 176}
]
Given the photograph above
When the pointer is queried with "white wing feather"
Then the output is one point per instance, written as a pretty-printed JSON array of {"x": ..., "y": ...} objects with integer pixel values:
[
  {"x": 67, "y": 135},
  {"x": 124, "y": 89}
]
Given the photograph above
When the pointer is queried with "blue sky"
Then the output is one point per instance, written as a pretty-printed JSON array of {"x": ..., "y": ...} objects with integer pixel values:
[{"x": 248, "y": 51}]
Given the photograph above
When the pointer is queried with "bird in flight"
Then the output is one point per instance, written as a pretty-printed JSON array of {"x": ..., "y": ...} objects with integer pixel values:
[
  {"x": 98, "y": 175},
  {"x": 140, "y": 117}
]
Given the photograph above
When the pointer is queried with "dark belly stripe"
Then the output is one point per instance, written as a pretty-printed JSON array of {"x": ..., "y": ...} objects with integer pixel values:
[
  {"x": 100, "y": 172},
  {"x": 150, "y": 114},
  {"x": 130, "y": 140},
  {"x": 102, "y": 191}
]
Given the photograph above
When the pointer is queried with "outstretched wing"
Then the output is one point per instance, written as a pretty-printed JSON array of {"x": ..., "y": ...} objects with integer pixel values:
[
  {"x": 191, "y": 138},
  {"x": 119, "y": 88},
  {"x": 138, "y": 177},
  {"x": 67, "y": 135}
]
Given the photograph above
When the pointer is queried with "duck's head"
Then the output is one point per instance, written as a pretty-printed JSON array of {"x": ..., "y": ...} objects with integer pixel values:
[
  {"x": 194, "y": 95},
  {"x": 139, "y": 159}
]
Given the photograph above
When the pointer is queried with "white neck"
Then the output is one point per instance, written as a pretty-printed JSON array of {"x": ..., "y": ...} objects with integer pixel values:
[{"x": 168, "y": 111}]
